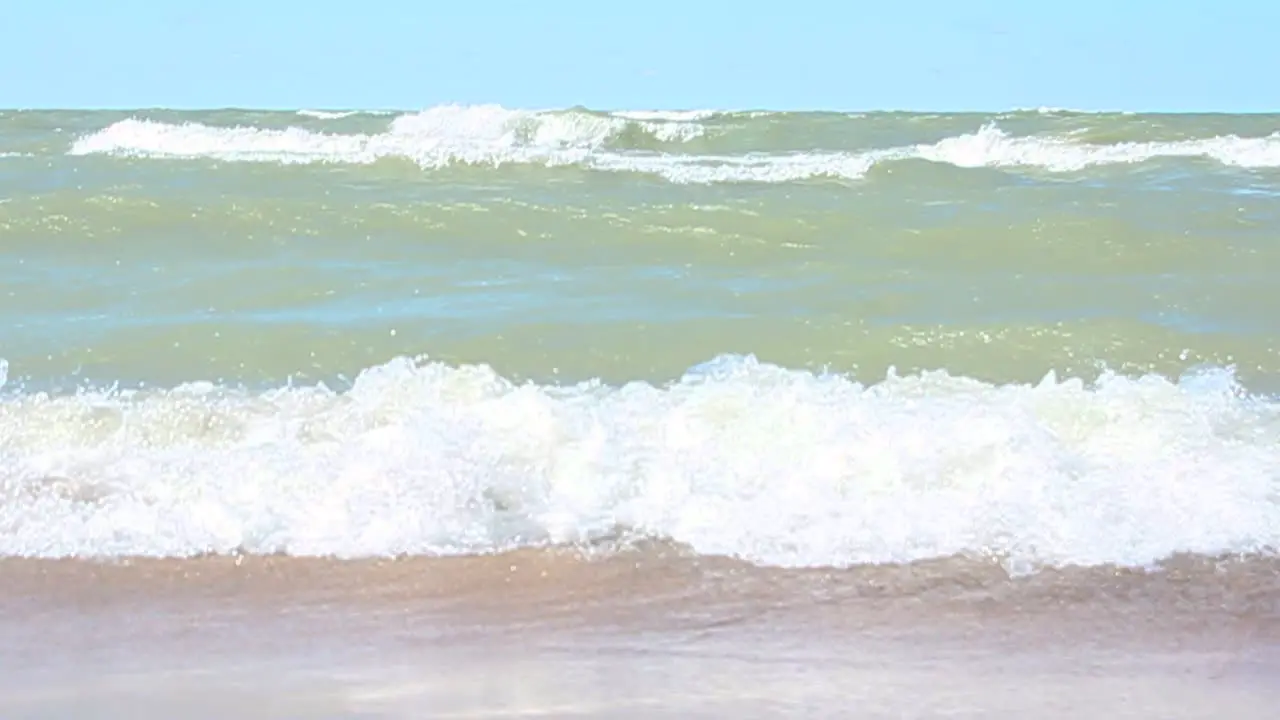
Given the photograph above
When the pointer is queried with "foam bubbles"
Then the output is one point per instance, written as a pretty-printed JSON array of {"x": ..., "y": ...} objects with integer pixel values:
[{"x": 777, "y": 466}]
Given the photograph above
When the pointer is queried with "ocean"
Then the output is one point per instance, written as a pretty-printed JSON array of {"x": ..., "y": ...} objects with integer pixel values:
[{"x": 475, "y": 412}]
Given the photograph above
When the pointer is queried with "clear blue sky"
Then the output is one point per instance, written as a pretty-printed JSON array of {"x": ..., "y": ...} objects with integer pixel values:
[{"x": 798, "y": 54}]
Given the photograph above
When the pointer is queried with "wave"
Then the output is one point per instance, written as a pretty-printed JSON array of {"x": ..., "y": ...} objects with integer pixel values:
[
  {"x": 776, "y": 466},
  {"x": 492, "y": 135},
  {"x": 1055, "y": 110},
  {"x": 433, "y": 138},
  {"x": 328, "y": 114},
  {"x": 992, "y": 147},
  {"x": 668, "y": 115},
  {"x": 988, "y": 147}
]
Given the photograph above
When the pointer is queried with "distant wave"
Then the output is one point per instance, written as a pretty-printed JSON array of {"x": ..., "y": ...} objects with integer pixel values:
[
  {"x": 340, "y": 114},
  {"x": 667, "y": 115},
  {"x": 432, "y": 138},
  {"x": 327, "y": 115},
  {"x": 992, "y": 147},
  {"x": 623, "y": 141},
  {"x": 1049, "y": 110}
]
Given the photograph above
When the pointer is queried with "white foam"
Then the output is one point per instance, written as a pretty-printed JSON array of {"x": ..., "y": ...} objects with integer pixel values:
[
  {"x": 675, "y": 116},
  {"x": 485, "y": 134},
  {"x": 492, "y": 135},
  {"x": 328, "y": 114},
  {"x": 704, "y": 169},
  {"x": 992, "y": 147},
  {"x": 777, "y": 466}
]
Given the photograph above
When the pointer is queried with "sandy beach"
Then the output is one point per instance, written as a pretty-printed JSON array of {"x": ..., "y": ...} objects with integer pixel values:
[{"x": 645, "y": 633}]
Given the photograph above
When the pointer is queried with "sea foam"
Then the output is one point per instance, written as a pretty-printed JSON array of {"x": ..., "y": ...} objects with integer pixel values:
[
  {"x": 437, "y": 137},
  {"x": 777, "y": 466}
]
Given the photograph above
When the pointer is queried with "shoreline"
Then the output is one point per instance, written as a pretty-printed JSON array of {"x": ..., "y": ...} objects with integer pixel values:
[{"x": 638, "y": 634}]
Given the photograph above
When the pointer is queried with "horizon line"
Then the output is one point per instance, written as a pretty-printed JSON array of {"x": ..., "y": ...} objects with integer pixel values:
[{"x": 1044, "y": 109}]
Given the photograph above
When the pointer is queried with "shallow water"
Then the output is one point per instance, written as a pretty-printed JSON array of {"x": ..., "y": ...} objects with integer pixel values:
[{"x": 643, "y": 632}]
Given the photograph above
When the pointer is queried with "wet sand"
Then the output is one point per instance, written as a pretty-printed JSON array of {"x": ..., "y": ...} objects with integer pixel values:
[{"x": 644, "y": 633}]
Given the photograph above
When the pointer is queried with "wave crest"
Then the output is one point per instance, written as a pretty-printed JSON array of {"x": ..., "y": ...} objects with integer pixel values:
[
  {"x": 645, "y": 142},
  {"x": 777, "y": 466},
  {"x": 437, "y": 137}
]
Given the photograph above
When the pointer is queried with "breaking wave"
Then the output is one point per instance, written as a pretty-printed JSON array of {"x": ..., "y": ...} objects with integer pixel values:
[
  {"x": 648, "y": 142},
  {"x": 780, "y": 467}
]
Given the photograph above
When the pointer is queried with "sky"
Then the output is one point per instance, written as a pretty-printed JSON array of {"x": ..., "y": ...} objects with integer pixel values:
[{"x": 1141, "y": 55}]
